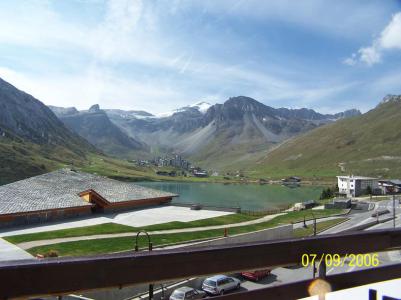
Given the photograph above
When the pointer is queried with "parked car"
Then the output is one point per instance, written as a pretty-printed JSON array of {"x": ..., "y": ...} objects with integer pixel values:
[
  {"x": 219, "y": 284},
  {"x": 256, "y": 275},
  {"x": 185, "y": 293}
]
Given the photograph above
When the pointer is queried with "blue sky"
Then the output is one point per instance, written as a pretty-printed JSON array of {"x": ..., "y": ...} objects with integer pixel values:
[{"x": 160, "y": 55}]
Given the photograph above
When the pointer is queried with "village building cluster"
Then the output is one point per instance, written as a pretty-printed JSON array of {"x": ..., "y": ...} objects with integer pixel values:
[{"x": 176, "y": 162}]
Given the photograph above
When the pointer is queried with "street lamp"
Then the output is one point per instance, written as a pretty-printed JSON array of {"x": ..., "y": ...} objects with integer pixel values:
[
  {"x": 163, "y": 295},
  {"x": 394, "y": 211},
  {"x": 314, "y": 224},
  {"x": 150, "y": 248},
  {"x": 314, "y": 234}
]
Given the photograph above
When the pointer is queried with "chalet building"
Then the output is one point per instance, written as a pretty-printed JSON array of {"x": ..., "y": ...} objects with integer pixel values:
[
  {"x": 66, "y": 193},
  {"x": 354, "y": 186}
]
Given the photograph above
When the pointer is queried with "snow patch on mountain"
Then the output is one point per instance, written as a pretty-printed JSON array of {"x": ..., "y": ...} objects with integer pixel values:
[{"x": 201, "y": 106}]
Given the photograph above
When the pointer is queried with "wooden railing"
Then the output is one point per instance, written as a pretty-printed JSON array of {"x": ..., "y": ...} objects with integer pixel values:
[{"x": 59, "y": 276}]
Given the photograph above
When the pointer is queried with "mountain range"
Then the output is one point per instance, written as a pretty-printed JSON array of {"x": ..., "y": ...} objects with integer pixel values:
[
  {"x": 222, "y": 136},
  {"x": 239, "y": 134}
]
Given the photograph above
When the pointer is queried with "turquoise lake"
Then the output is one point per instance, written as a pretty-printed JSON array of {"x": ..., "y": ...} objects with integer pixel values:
[{"x": 246, "y": 196}]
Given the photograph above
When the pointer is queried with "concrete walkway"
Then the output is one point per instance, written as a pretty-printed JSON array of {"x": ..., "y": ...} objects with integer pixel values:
[
  {"x": 28, "y": 245},
  {"x": 9, "y": 252}
]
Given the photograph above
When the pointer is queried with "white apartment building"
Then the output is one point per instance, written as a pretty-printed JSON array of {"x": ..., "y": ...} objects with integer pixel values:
[{"x": 354, "y": 186}]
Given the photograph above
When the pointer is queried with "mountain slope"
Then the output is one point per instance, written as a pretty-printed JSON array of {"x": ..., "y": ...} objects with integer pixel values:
[
  {"x": 369, "y": 144},
  {"x": 95, "y": 126},
  {"x": 241, "y": 131},
  {"x": 32, "y": 139}
]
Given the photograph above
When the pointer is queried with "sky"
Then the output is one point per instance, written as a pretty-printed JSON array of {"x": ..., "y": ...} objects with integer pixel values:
[{"x": 163, "y": 54}]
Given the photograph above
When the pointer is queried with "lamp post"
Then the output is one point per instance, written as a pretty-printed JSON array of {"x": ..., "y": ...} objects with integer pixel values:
[
  {"x": 163, "y": 295},
  {"x": 394, "y": 211},
  {"x": 314, "y": 224},
  {"x": 314, "y": 234},
  {"x": 150, "y": 248}
]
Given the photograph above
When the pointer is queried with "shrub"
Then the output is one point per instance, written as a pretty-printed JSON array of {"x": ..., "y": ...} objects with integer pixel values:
[{"x": 51, "y": 253}]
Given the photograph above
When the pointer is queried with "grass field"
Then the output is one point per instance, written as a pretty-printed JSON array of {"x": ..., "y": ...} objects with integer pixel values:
[
  {"x": 109, "y": 245},
  {"x": 110, "y": 228},
  {"x": 302, "y": 232}
]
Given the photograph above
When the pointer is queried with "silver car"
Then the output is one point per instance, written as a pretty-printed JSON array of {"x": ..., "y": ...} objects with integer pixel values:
[
  {"x": 185, "y": 293},
  {"x": 220, "y": 284}
]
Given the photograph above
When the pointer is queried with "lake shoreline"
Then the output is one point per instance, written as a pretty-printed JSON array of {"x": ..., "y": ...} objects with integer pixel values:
[{"x": 223, "y": 181}]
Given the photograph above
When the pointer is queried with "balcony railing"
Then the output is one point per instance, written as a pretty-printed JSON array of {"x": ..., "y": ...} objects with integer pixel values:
[{"x": 75, "y": 274}]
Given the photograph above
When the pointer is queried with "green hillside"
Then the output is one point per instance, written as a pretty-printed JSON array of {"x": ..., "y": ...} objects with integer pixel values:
[
  {"x": 369, "y": 144},
  {"x": 19, "y": 160}
]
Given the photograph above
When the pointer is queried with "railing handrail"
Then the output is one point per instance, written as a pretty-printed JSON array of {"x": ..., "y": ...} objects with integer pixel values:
[{"x": 72, "y": 274}]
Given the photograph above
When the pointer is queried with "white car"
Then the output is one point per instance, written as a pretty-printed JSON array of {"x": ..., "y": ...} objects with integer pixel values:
[
  {"x": 220, "y": 284},
  {"x": 185, "y": 293}
]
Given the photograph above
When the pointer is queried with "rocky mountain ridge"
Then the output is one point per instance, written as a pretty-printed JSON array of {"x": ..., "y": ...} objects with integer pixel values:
[{"x": 95, "y": 126}]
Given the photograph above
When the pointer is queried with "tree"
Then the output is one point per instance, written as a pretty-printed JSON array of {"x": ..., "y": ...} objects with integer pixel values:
[
  {"x": 369, "y": 190},
  {"x": 327, "y": 193}
]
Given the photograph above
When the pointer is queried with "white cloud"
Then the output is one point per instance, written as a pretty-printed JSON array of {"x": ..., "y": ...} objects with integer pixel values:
[
  {"x": 169, "y": 71},
  {"x": 391, "y": 35},
  {"x": 317, "y": 15},
  {"x": 389, "y": 39},
  {"x": 370, "y": 55},
  {"x": 351, "y": 61},
  {"x": 96, "y": 86}
]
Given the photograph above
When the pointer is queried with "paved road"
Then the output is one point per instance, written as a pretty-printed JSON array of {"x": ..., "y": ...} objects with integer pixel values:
[
  {"x": 360, "y": 218},
  {"x": 388, "y": 204}
]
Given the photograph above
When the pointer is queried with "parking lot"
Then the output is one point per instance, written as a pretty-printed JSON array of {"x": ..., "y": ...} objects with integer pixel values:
[{"x": 277, "y": 276}]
